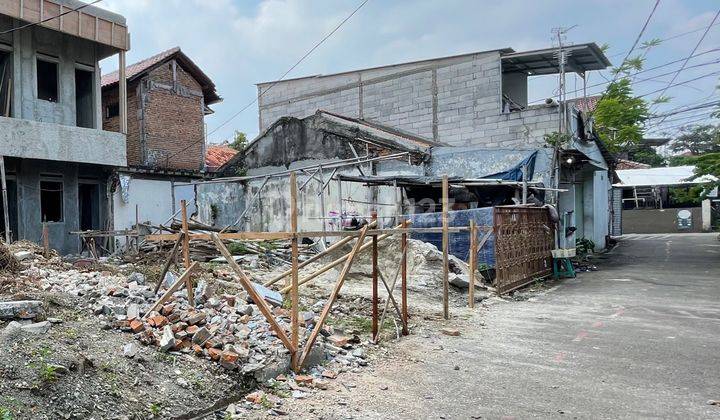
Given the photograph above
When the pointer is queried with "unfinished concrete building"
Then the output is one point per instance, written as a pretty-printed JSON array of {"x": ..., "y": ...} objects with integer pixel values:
[
  {"x": 168, "y": 99},
  {"x": 57, "y": 155},
  {"x": 478, "y": 102}
]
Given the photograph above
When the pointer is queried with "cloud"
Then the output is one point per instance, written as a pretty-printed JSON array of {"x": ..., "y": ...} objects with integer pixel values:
[{"x": 239, "y": 43}]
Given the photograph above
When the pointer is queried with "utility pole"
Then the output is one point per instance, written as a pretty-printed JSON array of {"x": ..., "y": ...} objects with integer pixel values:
[{"x": 561, "y": 56}]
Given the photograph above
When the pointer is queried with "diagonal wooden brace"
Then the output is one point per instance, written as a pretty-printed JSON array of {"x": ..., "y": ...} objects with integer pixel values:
[{"x": 254, "y": 295}]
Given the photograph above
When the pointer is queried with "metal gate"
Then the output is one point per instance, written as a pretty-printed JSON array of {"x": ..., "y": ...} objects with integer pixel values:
[{"x": 524, "y": 239}]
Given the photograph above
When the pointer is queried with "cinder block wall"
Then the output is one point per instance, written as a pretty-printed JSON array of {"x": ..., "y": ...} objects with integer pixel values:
[
  {"x": 165, "y": 120},
  {"x": 454, "y": 100}
]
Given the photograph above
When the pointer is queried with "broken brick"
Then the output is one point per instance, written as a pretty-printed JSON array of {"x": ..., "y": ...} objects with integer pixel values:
[
  {"x": 304, "y": 379},
  {"x": 196, "y": 318},
  {"x": 192, "y": 329},
  {"x": 198, "y": 350},
  {"x": 136, "y": 326},
  {"x": 158, "y": 321},
  {"x": 201, "y": 336},
  {"x": 214, "y": 353},
  {"x": 338, "y": 340},
  {"x": 330, "y": 374},
  {"x": 167, "y": 309},
  {"x": 450, "y": 331},
  {"x": 228, "y": 359}
]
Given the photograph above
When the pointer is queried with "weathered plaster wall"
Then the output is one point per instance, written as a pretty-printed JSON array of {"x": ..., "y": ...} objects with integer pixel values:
[
  {"x": 659, "y": 221},
  {"x": 153, "y": 198}
]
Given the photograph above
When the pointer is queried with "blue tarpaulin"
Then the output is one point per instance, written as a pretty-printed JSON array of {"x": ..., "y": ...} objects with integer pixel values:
[
  {"x": 459, "y": 241},
  {"x": 515, "y": 173}
]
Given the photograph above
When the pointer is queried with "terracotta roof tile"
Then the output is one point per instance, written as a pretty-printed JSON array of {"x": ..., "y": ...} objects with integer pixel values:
[
  {"x": 217, "y": 155},
  {"x": 139, "y": 67}
]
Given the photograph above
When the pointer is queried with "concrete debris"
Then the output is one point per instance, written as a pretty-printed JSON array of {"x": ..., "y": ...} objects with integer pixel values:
[
  {"x": 21, "y": 309},
  {"x": 24, "y": 255},
  {"x": 130, "y": 350},
  {"x": 271, "y": 296}
]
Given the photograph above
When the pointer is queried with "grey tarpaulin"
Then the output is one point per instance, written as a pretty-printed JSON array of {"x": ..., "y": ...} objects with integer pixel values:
[{"x": 459, "y": 241}]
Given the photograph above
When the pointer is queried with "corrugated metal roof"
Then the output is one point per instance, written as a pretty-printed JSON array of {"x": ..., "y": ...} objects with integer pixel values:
[{"x": 674, "y": 175}]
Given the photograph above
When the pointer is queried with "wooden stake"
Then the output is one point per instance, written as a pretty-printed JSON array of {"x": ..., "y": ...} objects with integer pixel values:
[
  {"x": 472, "y": 263},
  {"x": 387, "y": 302},
  {"x": 294, "y": 315},
  {"x": 186, "y": 252},
  {"x": 254, "y": 295},
  {"x": 403, "y": 267},
  {"x": 168, "y": 263},
  {"x": 333, "y": 296},
  {"x": 312, "y": 259},
  {"x": 46, "y": 239},
  {"x": 175, "y": 287},
  {"x": 445, "y": 246},
  {"x": 374, "y": 280},
  {"x": 6, "y": 205}
]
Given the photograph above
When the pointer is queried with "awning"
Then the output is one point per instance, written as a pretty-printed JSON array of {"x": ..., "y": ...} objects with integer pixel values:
[
  {"x": 674, "y": 175},
  {"x": 580, "y": 58}
]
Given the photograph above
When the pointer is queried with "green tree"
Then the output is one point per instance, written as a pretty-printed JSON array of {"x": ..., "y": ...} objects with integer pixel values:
[
  {"x": 646, "y": 155},
  {"x": 619, "y": 116},
  {"x": 708, "y": 164},
  {"x": 239, "y": 141},
  {"x": 698, "y": 140}
]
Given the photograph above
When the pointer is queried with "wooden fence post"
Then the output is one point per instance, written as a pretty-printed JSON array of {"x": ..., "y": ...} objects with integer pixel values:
[
  {"x": 403, "y": 265},
  {"x": 186, "y": 253},
  {"x": 472, "y": 263},
  {"x": 445, "y": 246},
  {"x": 294, "y": 315},
  {"x": 374, "y": 280}
]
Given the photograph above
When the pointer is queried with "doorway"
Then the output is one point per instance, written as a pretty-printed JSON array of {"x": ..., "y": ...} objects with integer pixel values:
[{"x": 89, "y": 206}]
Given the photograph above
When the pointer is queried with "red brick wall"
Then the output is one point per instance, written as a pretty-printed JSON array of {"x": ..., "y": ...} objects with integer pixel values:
[{"x": 174, "y": 122}]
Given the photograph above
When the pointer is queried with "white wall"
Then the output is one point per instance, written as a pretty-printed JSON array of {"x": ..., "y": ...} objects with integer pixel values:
[{"x": 153, "y": 198}]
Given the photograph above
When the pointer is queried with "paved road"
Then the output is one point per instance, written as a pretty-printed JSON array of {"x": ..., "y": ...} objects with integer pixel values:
[{"x": 640, "y": 338}]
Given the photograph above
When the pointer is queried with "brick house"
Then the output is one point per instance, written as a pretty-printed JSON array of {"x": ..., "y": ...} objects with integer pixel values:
[{"x": 168, "y": 99}]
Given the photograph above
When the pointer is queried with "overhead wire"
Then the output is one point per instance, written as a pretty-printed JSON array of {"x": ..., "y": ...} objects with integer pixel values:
[
  {"x": 697, "y": 45},
  {"x": 49, "y": 18},
  {"x": 262, "y": 93}
]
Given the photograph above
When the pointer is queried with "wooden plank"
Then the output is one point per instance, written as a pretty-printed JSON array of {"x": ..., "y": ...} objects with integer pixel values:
[
  {"x": 336, "y": 290},
  {"x": 312, "y": 259},
  {"x": 472, "y": 263},
  {"x": 168, "y": 263},
  {"x": 174, "y": 288},
  {"x": 403, "y": 267},
  {"x": 254, "y": 295},
  {"x": 294, "y": 315},
  {"x": 249, "y": 236},
  {"x": 6, "y": 214},
  {"x": 335, "y": 263},
  {"x": 186, "y": 252},
  {"x": 374, "y": 280},
  {"x": 445, "y": 246},
  {"x": 269, "y": 236}
]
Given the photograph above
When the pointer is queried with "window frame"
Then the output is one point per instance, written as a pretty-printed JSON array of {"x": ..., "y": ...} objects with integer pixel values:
[
  {"x": 59, "y": 179},
  {"x": 50, "y": 60}
]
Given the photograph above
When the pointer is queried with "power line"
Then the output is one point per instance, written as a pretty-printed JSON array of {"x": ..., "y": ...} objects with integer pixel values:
[
  {"x": 261, "y": 94},
  {"x": 637, "y": 39},
  {"x": 680, "y": 83},
  {"x": 697, "y": 45},
  {"x": 645, "y": 71},
  {"x": 694, "y": 108},
  {"x": 672, "y": 37},
  {"x": 50, "y": 18}
]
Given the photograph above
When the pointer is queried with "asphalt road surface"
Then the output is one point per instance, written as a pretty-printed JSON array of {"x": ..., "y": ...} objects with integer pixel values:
[{"x": 639, "y": 338}]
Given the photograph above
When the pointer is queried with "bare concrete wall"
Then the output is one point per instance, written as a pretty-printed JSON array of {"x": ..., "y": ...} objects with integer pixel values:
[
  {"x": 28, "y": 173},
  {"x": 658, "y": 221}
]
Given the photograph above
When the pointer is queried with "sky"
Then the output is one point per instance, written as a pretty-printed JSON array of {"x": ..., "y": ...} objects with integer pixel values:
[{"x": 241, "y": 42}]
